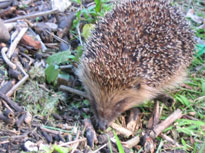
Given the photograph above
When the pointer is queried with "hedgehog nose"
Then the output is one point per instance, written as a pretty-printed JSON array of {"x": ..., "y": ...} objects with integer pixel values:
[{"x": 102, "y": 125}]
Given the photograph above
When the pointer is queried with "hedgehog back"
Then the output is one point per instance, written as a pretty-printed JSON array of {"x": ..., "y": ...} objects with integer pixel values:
[{"x": 146, "y": 39}]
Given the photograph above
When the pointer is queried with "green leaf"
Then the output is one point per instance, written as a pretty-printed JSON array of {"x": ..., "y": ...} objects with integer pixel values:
[
  {"x": 200, "y": 33},
  {"x": 98, "y": 5},
  {"x": 183, "y": 142},
  {"x": 183, "y": 100},
  {"x": 60, "y": 149},
  {"x": 119, "y": 145},
  {"x": 64, "y": 76},
  {"x": 87, "y": 30},
  {"x": 203, "y": 87},
  {"x": 202, "y": 148},
  {"x": 51, "y": 73},
  {"x": 200, "y": 49},
  {"x": 109, "y": 144},
  {"x": 59, "y": 58},
  {"x": 78, "y": 54}
]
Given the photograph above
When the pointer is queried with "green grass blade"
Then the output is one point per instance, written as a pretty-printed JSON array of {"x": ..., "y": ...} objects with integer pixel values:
[{"x": 119, "y": 145}]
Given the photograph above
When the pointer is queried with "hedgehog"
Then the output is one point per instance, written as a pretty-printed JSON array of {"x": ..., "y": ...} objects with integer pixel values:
[{"x": 137, "y": 51}]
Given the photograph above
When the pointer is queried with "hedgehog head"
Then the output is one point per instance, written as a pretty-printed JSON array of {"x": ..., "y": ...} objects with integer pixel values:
[{"x": 109, "y": 101}]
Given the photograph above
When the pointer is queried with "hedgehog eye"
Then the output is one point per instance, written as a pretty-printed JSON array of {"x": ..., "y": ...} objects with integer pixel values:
[
  {"x": 121, "y": 103},
  {"x": 138, "y": 86}
]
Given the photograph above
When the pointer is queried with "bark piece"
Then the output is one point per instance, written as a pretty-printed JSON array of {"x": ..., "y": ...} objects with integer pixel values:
[{"x": 30, "y": 41}]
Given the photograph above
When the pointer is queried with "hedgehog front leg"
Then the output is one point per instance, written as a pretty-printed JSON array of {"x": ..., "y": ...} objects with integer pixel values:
[{"x": 164, "y": 98}]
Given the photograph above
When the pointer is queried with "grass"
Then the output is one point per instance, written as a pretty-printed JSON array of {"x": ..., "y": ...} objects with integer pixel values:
[
  {"x": 189, "y": 132},
  {"x": 192, "y": 102}
]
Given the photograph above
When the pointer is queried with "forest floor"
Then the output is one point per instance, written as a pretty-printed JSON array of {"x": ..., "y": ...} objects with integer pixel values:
[{"x": 40, "y": 47}]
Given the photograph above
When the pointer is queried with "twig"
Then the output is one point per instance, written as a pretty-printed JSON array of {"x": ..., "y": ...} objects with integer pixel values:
[
  {"x": 49, "y": 130},
  {"x": 6, "y": 105},
  {"x": 133, "y": 120},
  {"x": 103, "y": 146},
  {"x": 78, "y": 30},
  {"x": 132, "y": 142},
  {"x": 7, "y": 86},
  {"x": 65, "y": 67},
  {"x": 57, "y": 38},
  {"x": 9, "y": 114},
  {"x": 31, "y": 60},
  {"x": 76, "y": 144},
  {"x": 6, "y": 59},
  {"x": 3, "y": 118},
  {"x": 20, "y": 120},
  {"x": 164, "y": 124},
  {"x": 121, "y": 129},
  {"x": 26, "y": 76},
  {"x": 3, "y": 142},
  {"x": 48, "y": 137},
  {"x": 156, "y": 115},
  {"x": 164, "y": 136},
  {"x": 11, "y": 102},
  {"x": 33, "y": 15},
  {"x": 72, "y": 142},
  {"x": 71, "y": 90},
  {"x": 16, "y": 41}
]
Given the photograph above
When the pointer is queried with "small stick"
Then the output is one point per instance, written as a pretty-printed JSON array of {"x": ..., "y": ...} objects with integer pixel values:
[
  {"x": 154, "y": 120},
  {"x": 20, "y": 120},
  {"x": 49, "y": 130},
  {"x": 33, "y": 15},
  {"x": 132, "y": 142},
  {"x": 76, "y": 144},
  {"x": 156, "y": 114},
  {"x": 31, "y": 60},
  {"x": 78, "y": 30},
  {"x": 9, "y": 113},
  {"x": 15, "y": 74},
  {"x": 103, "y": 146},
  {"x": 14, "y": 88},
  {"x": 72, "y": 142},
  {"x": 7, "y": 86},
  {"x": 71, "y": 90},
  {"x": 57, "y": 38},
  {"x": 6, "y": 119},
  {"x": 11, "y": 102},
  {"x": 121, "y": 130},
  {"x": 65, "y": 67},
  {"x": 16, "y": 41},
  {"x": 164, "y": 136},
  {"x": 6, "y": 105},
  {"x": 164, "y": 124},
  {"x": 133, "y": 119},
  {"x": 3, "y": 142},
  {"x": 3, "y": 118},
  {"x": 48, "y": 137},
  {"x": 6, "y": 59}
]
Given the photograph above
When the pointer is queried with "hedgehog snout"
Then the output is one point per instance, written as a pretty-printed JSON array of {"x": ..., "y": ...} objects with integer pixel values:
[{"x": 102, "y": 124}]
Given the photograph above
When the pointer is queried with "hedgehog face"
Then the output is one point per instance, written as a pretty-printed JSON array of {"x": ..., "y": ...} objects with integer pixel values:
[
  {"x": 108, "y": 106},
  {"x": 105, "y": 113}
]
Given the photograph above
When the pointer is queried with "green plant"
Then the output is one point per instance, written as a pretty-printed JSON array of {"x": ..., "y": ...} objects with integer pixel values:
[
  {"x": 119, "y": 145},
  {"x": 90, "y": 15},
  {"x": 52, "y": 69}
]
